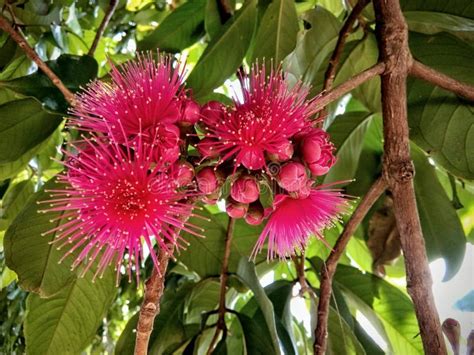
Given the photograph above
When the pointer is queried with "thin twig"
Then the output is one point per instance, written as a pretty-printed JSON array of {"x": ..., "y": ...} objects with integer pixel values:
[
  {"x": 150, "y": 308},
  {"x": 220, "y": 326},
  {"x": 105, "y": 21},
  {"x": 421, "y": 71},
  {"x": 398, "y": 171},
  {"x": 349, "y": 85},
  {"x": 329, "y": 268},
  {"x": 341, "y": 41},
  {"x": 30, "y": 53}
]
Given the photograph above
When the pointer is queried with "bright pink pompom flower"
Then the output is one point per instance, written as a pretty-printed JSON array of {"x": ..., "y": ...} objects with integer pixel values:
[
  {"x": 263, "y": 123},
  {"x": 144, "y": 95},
  {"x": 294, "y": 220},
  {"x": 114, "y": 199}
]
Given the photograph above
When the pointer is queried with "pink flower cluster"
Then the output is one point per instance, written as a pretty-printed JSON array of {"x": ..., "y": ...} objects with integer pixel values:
[
  {"x": 131, "y": 180},
  {"x": 268, "y": 139}
]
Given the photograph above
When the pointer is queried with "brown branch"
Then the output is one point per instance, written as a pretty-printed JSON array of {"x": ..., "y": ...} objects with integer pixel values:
[
  {"x": 105, "y": 21},
  {"x": 329, "y": 269},
  {"x": 220, "y": 326},
  {"x": 300, "y": 272},
  {"x": 349, "y": 85},
  {"x": 150, "y": 308},
  {"x": 341, "y": 41},
  {"x": 398, "y": 170},
  {"x": 30, "y": 53},
  {"x": 421, "y": 71}
]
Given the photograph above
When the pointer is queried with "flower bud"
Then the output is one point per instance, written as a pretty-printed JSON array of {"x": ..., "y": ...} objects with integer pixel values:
[
  {"x": 207, "y": 148},
  {"x": 245, "y": 189},
  {"x": 207, "y": 180},
  {"x": 283, "y": 152},
  {"x": 236, "y": 209},
  {"x": 452, "y": 329},
  {"x": 213, "y": 112},
  {"x": 183, "y": 174},
  {"x": 254, "y": 214},
  {"x": 292, "y": 177},
  {"x": 212, "y": 198},
  {"x": 190, "y": 113},
  {"x": 317, "y": 151}
]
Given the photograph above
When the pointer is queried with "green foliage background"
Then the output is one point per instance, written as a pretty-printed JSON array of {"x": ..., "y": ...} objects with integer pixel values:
[{"x": 47, "y": 309}]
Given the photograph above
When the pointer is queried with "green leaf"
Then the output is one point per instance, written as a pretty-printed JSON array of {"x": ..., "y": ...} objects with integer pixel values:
[
  {"x": 179, "y": 30},
  {"x": 257, "y": 338},
  {"x": 442, "y": 229},
  {"x": 463, "y": 8},
  {"x": 347, "y": 132},
  {"x": 15, "y": 198},
  {"x": 224, "y": 54},
  {"x": 212, "y": 19},
  {"x": 23, "y": 126},
  {"x": 74, "y": 71},
  {"x": 388, "y": 309},
  {"x": 246, "y": 272},
  {"x": 30, "y": 254},
  {"x": 67, "y": 322},
  {"x": 434, "y": 22},
  {"x": 341, "y": 338},
  {"x": 441, "y": 123},
  {"x": 276, "y": 34},
  {"x": 306, "y": 62},
  {"x": 204, "y": 255}
]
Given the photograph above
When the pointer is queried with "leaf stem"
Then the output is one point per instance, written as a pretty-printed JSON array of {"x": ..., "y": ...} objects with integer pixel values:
[
  {"x": 329, "y": 267},
  {"x": 105, "y": 21},
  {"x": 30, "y": 53},
  {"x": 220, "y": 326}
]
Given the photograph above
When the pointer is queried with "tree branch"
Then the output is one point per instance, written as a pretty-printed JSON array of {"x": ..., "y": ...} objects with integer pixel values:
[
  {"x": 329, "y": 268},
  {"x": 105, "y": 21},
  {"x": 341, "y": 41},
  {"x": 398, "y": 170},
  {"x": 220, "y": 326},
  {"x": 150, "y": 308},
  {"x": 326, "y": 98},
  {"x": 300, "y": 272},
  {"x": 30, "y": 53},
  {"x": 421, "y": 71}
]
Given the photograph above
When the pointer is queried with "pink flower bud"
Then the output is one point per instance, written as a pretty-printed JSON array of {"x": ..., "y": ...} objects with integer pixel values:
[
  {"x": 317, "y": 151},
  {"x": 292, "y": 177},
  {"x": 213, "y": 112},
  {"x": 207, "y": 180},
  {"x": 207, "y": 148},
  {"x": 236, "y": 209},
  {"x": 245, "y": 189},
  {"x": 282, "y": 152},
  {"x": 254, "y": 214},
  {"x": 190, "y": 113},
  {"x": 183, "y": 174},
  {"x": 211, "y": 199}
]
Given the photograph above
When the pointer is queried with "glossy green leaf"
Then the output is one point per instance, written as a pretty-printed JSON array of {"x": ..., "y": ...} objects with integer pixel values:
[
  {"x": 30, "y": 254},
  {"x": 74, "y": 71},
  {"x": 442, "y": 229},
  {"x": 67, "y": 322},
  {"x": 204, "y": 255},
  {"x": 246, "y": 272},
  {"x": 341, "y": 339},
  {"x": 276, "y": 34},
  {"x": 15, "y": 198},
  {"x": 179, "y": 30},
  {"x": 23, "y": 126},
  {"x": 434, "y": 22},
  {"x": 388, "y": 309},
  {"x": 215, "y": 65},
  {"x": 257, "y": 338},
  {"x": 441, "y": 123},
  {"x": 463, "y": 8},
  {"x": 347, "y": 132},
  {"x": 212, "y": 19}
]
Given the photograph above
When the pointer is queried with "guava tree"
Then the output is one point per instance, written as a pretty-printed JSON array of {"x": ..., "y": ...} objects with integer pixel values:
[{"x": 216, "y": 176}]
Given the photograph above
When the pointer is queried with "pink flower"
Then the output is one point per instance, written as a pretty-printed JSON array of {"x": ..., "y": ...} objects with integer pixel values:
[
  {"x": 245, "y": 189},
  {"x": 263, "y": 122},
  {"x": 317, "y": 151},
  {"x": 292, "y": 221},
  {"x": 114, "y": 201},
  {"x": 293, "y": 177},
  {"x": 142, "y": 94}
]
